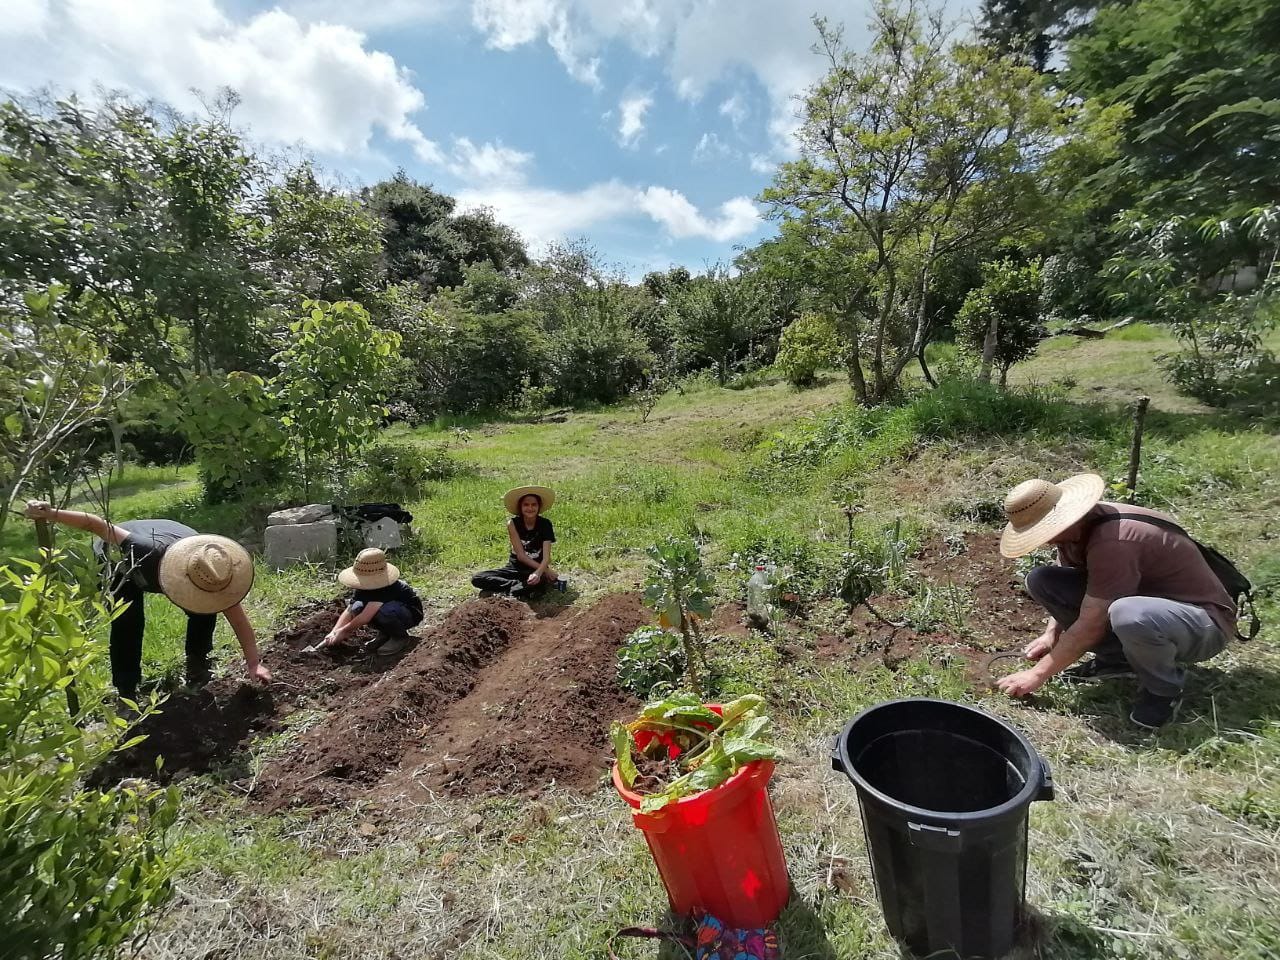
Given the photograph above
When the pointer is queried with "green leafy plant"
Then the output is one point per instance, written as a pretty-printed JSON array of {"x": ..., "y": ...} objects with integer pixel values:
[
  {"x": 1000, "y": 320},
  {"x": 332, "y": 381},
  {"x": 231, "y": 421},
  {"x": 80, "y": 869},
  {"x": 651, "y": 661},
  {"x": 679, "y": 589},
  {"x": 400, "y": 471},
  {"x": 679, "y": 746},
  {"x": 808, "y": 344}
]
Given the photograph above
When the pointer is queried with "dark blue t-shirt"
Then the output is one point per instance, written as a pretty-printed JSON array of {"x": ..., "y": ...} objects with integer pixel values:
[
  {"x": 143, "y": 549},
  {"x": 399, "y": 592}
]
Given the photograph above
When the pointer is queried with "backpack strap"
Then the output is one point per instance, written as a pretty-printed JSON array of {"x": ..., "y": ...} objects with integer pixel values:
[{"x": 1243, "y": 598}]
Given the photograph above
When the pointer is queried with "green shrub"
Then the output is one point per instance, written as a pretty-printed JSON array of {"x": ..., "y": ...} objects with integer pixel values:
[
  {"x": 808, "y": 344},
  {"x": 80, "y": 869},
  {"x": 651, "y": 662},
  {"x": 400, "y": 472}
]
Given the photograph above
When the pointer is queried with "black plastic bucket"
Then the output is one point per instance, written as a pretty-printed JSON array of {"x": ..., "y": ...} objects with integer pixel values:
[{"x": 944, "y": 791}]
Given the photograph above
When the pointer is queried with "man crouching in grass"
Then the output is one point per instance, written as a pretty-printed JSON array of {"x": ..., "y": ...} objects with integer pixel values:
[{"x": 1129, "y": 586}]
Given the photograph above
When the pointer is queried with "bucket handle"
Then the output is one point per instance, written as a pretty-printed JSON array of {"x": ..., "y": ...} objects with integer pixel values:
[
  {"x": 1046, "y": 791},
  {"x": 930, "y": 837},
  {"x": 836, "y": 763}
]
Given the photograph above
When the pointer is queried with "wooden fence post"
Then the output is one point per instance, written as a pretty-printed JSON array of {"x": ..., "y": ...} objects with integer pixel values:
[{"x": 1135, "y": 451}]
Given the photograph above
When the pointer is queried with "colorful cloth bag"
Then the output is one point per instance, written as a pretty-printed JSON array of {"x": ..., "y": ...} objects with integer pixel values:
[{"x": 712, "y": 940}]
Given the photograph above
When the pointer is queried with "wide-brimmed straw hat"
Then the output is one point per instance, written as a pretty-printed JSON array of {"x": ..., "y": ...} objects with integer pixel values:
[
  {"x": 370, "y": 571},
  {"x": 206, "y": 573},
  {"x": 1039, "y": 510},
  {"x": 511, "y": 499}
]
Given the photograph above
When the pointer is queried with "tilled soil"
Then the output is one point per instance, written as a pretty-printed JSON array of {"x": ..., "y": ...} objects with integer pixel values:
[
  {"x": 196, "y": 731},
  {"x": 495, "y": 700},
  {"x": 1000, "y": 616}
]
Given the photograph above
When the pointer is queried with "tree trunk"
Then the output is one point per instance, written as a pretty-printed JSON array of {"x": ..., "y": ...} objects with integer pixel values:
[
  {"x": 1004, "y": 377},
  {"x": 989, "y": 348},
  {"x": 924, "y": 368}
]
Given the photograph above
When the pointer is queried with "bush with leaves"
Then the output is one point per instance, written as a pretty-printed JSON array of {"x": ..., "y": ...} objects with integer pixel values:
[
  {"x": 80, "y": 869},
  {"x": 400, "y": 471},
  {"x": 332, "y": 382},
  {"x": 808, "y": 344},
  {"x": 651, "y": 662},
  {"x": 232, "y": 422},
  {"x": 1000, "y": 320}
]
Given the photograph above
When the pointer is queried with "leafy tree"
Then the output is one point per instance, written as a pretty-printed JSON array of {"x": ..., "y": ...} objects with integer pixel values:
[
  {"x": 808, "y": 344},
  {"x": 917, "y": 148},
  {"x": 1001, "y": 318},
  {"x": 237, "y": 405},
  {"x": 332, "y": 381},
  {"x": 716, "y": 317}
]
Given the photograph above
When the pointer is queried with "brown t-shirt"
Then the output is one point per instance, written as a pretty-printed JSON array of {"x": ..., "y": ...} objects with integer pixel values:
[{"x": 1129, "y": 558}]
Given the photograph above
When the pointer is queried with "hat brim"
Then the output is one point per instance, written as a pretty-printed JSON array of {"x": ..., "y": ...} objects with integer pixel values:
[
  {"x": 511, "y": 499},
  {"x": 1080, "y": 494},
  {"x": 357, "y": 581},
  {"x": 175, "y": 585}
]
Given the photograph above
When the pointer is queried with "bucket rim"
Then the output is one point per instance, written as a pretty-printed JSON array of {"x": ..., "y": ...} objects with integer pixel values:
[
  {"x": 1030, "y": 791},
  {"x": 748, "y": 776}
]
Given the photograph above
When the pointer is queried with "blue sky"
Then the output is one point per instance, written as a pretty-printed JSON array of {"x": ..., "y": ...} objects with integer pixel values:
[{"x": 646, "y": 126}]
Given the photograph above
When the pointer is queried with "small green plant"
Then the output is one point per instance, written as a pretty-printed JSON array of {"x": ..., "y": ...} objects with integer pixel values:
[
  {"x": 679, "y": 590},
  {"x": 809, "y": 344},
  {"x": 401, "y": 471},
  {"x": 651, "y": 662},
  {"x": 682, "y": 747}
]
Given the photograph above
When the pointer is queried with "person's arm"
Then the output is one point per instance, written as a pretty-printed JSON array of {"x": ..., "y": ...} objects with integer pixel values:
[
  {"x": 540, "y": 570},
  {"x": 354, "y": 623},
  {"x": 248, "y": 640},
  {"x": 1072, "y": 644},
  {"x": 517, "y": 547},
  {"x": 1042, "y": 644},
  {"x": 336, "y": 634},
  {"x": 78, "y": 520}
]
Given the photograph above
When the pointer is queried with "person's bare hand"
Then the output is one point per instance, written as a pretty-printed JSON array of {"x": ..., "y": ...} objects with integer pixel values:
[
  {"x": 1021, "y": 684},
  {"x": 39, "y": 510},
  {"x": 259, "y": 673},
  {"x": 1038, "y": 647},
  {"x": 534, "y": 579}
]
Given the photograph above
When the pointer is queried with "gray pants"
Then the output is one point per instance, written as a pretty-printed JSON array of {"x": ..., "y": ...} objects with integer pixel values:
[{"x": 1156, "y": 636}]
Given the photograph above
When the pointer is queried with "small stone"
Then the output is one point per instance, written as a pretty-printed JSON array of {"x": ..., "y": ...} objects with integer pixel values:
[
  {"x": 473, "y": 823},
  {"x": 287, "y": 544},
  {"x": 367, "y": 829},
  {"x": 448, "y": 860}
]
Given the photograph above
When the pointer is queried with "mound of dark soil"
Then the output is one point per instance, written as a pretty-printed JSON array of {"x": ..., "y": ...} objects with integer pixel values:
[
  {"x": 202, "y": 730},
  {"x": 494, "y": 700}
]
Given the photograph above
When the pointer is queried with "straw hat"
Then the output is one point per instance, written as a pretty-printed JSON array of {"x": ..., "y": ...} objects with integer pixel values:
[
  {"x": 1039, "y": 510},
  {"x": 370, "y": 571},
  {"x": 511, "y": 499},
  {"x": 206, "y": 573}
]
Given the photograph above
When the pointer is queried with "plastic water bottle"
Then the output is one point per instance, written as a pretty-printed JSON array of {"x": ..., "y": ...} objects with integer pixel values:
[{"x": 759, "y": 597}]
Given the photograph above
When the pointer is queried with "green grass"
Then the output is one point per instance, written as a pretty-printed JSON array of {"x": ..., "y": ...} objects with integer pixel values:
[{"x": 1160, "y": 845}]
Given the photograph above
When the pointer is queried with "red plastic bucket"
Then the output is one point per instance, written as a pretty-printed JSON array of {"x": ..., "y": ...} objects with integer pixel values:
[{"x": 718, "y": 851}]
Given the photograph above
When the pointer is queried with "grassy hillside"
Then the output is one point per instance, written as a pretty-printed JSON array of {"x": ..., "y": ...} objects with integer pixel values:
[{"x": 1161, "y": 845}]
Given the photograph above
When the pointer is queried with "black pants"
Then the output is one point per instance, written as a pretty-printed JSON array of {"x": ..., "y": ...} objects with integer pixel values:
[
  {"x": 501, "y": 581},
  {"x": 126, "y": 640}
]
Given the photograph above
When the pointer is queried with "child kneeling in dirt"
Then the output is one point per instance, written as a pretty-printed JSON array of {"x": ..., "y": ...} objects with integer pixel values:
[
  {"x": 382, "y": 599},
  {"x": 528, "y": 569}
]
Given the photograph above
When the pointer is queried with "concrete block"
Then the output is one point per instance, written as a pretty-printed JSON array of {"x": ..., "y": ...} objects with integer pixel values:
[
  {"x": 384, "y": 534},
  {"x": 308, "y": 514},
  {"x": 287, "y": 544}
]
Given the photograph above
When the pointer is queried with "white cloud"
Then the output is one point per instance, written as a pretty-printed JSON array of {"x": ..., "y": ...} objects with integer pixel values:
[
  {"x": 24, "y": 17},
  {"x": 508, "y": 24},
  {"x": 710, "y": 148},
  {"x": 379, "y": 15},
  {"x": 763, "y": 164},
  {"x": 735, "y": 109},
  {"x": 543, "y": 215},
  {"x": 315, "y": 84},
  {"x": 631, "y": 113},
  {"x": 489, "y": 163}
]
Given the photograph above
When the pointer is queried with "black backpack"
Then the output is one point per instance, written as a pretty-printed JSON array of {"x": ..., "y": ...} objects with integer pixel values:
[{"x": 1235, "y": 582}]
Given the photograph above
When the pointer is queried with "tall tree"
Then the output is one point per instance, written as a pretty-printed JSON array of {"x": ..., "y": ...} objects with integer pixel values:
[{"x": 919, "y": 147}]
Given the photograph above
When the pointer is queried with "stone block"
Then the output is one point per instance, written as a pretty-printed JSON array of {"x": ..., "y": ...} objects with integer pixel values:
[
  {"x": 383, "y": 534},
  {"x": 308, "y": 514},
  {"x": 287, "y": 544}
]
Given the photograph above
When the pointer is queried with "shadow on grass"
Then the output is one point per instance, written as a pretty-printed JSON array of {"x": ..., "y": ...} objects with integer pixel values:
[{"x": 1215, "y": 702}]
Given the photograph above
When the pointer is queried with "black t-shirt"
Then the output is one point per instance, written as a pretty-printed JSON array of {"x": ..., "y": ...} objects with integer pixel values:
[
  {"x": 142, "y": 550},
  {"x": 398, "y": 591},
  {"x": 532, "y": 540}
]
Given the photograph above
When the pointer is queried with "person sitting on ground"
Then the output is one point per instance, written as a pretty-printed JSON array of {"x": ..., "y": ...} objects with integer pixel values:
[
  {"x": 203, "y": 574},
  {"x": 382, "y": 599},
  {"x": 528, "y": 570},
  {"x": 1139, "y": 596}
]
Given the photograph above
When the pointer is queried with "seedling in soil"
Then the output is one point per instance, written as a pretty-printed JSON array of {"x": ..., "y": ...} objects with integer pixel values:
[
  {"x": 679, "y": 746},
  {"x": 679, "y": 589}
]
